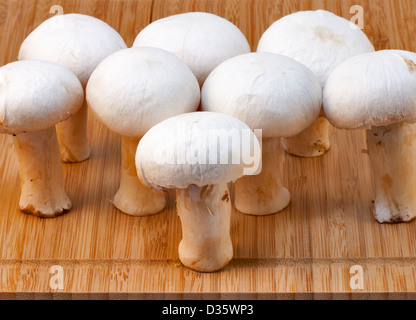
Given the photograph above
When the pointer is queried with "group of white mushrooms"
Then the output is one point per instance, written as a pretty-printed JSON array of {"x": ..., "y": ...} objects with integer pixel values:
[{"x": 311, "y": 68}]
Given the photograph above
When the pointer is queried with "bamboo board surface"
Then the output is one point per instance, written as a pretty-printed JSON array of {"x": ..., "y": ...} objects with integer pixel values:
[{"x": 306, "y": 251}]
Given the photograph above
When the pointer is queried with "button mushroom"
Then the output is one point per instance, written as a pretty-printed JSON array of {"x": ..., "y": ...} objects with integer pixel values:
[
  {"x": 321, "y": 41},
  {"x": 377, "y": 92},
  {"x": 131, "y": 91},
  {"x": 183, "y": 153},
  {"x": 202, "y": 40},
  {"x": 34, "y": 96},
  {"x": 269, "y": 92},
  {"x": 78, "y": 42}
]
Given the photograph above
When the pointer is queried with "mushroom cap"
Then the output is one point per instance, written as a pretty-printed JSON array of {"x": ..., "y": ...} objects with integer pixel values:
[
  {"x": 176, "y": 152},
  {"x": 76, "y": 41},
  {"x": 373, "y": 89},
  {"x": 36, "y": 95},
  {"x": 319, "y": 39},
  {"x": 202, "y": 40},
  {"x": 266, "y": 91},
  {"x": 136, "y": 88}
]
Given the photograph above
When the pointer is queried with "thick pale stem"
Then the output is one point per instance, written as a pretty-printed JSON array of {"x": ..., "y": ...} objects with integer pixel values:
[
  {"x": 263, "y": 194},
  {"x": 133, "y": 197},
  {"x": 43, "y": 192},
  {"x": 205, "y": 215},
  {"x": 312, "y": 142},
  {"x": 392, "y": 153},
  {"x": 73, "y": 138}
]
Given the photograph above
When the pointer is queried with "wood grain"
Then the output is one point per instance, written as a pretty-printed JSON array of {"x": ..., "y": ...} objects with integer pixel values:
[{"x": 304, "y": 252}]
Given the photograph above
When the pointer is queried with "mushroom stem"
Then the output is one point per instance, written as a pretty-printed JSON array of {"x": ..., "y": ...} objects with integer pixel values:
[
  {"x": 73, "y": 138},
  {"x": 312, "y": 142},
  {"x": 263, "y": 194},
  {"x": 132, "y": 196},
  {"x": 42, "y": 192},
  {"x": 392, "y": 154},
  {"x": 205, "y": 215}
]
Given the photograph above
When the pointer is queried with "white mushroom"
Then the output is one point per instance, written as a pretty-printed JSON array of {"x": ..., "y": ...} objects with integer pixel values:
[
  {"x": 269, "y": 92},
  {"x": 202, "y": 40},
  {"x": 34, "y": 96},
  {"x": 78, "y": 42},
  {"x": 377, "y": 92},
  {"x": 183, "y": 153},
  {"x": 130, "y": 92},
  {"x": 321, "y": 41}
]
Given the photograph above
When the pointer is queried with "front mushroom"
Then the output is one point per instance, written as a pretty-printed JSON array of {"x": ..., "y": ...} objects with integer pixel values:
[
  {"x": 34, "y": 96},
  {"x": 377, "y": 92},
  {"x": 130, "y": 92},
  {"x": 198, "y": 154},
  {"x": 273, "y": 93}
]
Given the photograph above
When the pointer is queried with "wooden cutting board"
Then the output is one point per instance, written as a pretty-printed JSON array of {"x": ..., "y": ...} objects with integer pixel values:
[{"x": 306, "y": 251}]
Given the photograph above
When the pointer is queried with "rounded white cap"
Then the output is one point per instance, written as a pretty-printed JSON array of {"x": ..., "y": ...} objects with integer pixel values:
[
  {"x": 202, "y": 40},
  {"x": 373, "y": 89},
  {"x": 319, "y": 39},
  {"x": 76, "y": 41},
  {"x": 36, "y": 95},
  {"x": 194, "y": 149},
  {"x": 266, "y": 91},
  {"x": 136, "y": 88}
]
